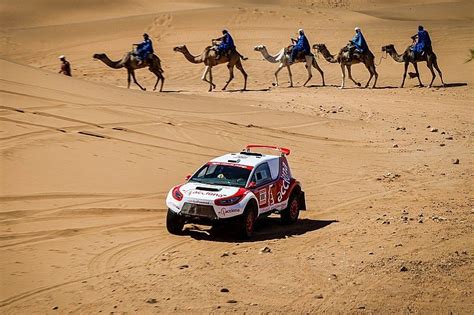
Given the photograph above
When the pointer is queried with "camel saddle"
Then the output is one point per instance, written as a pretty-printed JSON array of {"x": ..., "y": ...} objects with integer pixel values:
[
  {"x": 301, "y": 56},
  {"x": 226, "y": 53}
]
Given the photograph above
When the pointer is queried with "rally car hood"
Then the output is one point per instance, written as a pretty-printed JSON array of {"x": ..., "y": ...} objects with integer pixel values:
[{"x": 205, "y": 194}]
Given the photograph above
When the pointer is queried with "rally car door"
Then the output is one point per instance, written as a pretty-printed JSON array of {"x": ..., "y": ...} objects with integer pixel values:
[{"x": 266, "y": 188}]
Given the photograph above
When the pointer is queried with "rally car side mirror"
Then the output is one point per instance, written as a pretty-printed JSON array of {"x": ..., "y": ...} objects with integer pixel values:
[
  {"x": 252, "y": 185},
  {"x": 187, "y": 177}
]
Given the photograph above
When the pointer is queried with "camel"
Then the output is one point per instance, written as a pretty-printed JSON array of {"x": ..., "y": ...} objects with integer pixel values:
[
  {"x": 208, "y": 57},
  {"x": 283, "y": 58},
  {"x": 346, "y": 62},
  {"x": 130, "y": 63},
  {"x": 409, "y": 57}
]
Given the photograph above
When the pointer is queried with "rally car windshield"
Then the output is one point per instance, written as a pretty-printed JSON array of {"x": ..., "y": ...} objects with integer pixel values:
[{"x": 221, "y": 174}]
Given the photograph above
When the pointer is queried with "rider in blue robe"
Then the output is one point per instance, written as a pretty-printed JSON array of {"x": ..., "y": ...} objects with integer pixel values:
[
  {"x": 423, "y": 42},
  {"x": 301, "y": 45},
  {"x": 144, "y": 48},
  {"x": 359, "y": 41},
  {"x": 226, "y": 43}
]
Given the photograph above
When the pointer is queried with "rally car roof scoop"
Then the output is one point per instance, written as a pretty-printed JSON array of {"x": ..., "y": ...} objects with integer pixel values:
[
  {"x": 283, "y": 151},
  {"x": 208, "y": 188}
]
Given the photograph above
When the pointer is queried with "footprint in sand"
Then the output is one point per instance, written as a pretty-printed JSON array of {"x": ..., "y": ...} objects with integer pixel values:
[{"x": 159, "y": 23}]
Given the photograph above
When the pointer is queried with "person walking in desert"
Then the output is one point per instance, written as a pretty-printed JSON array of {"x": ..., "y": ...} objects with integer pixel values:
[{"x": 65, "y": 66}]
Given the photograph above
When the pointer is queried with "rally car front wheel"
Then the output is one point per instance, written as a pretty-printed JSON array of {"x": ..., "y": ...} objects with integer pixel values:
[
  {"x": 174, "y": 222},
  {"x": 246, "y": 223}
]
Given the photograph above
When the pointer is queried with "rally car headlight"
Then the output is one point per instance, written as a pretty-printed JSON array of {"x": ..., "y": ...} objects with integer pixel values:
[
  {"x": 177, "y": 194},
  {"x": 232, "y": 200},
  {"x": 228, "y": 201}
]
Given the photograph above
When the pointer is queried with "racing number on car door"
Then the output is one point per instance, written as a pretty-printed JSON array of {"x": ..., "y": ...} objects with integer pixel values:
[
  {"x": 262, "y": 197},
  {"x": 266, "y": 189}
]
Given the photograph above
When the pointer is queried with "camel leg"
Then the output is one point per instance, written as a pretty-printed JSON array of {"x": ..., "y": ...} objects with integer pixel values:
[
  {"x": 136, "y": 82},
  {"x": 231, "y": 75},
  {"x": 435, "y": 64},
  {"x": 404, "y": 74},
  {"x": 291, "y": 75},
  {"x": 162, "y": 83},
  {"x": 433, "y": 74},
  {"x": 349, "y": 73},
  {"x": 276, "y": 73},
  {"x": 315, "y": 64},
  {"x": 310, "y": 75},
  {"x": 371, "y": 72},
  {"x": 415, "y": 65},
  {"x": 129, "y": 79},
  {"x": 343, "y": 71},
  {"x": 204, "y": 78},
  {"x": 374, "y": 71},
  {"x": 212, "y": 85},
  {"x": 159, "y": 77},
  {"x": 241, "y": 68}
]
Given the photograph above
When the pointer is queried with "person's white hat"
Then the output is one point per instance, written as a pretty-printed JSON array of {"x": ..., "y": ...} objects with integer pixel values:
[
  {"x": 357, "y": 28},
  {"x": 300, "y": 30},
  {"x": 62, "y": 57}
]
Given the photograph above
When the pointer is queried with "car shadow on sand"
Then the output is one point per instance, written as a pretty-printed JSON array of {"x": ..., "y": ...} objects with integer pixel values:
[{"x": 269, "y": 228}]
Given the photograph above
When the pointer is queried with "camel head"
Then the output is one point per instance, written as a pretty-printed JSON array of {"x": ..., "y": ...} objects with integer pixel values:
[
  {"x": 180, "y": 49},
  {"x": 98, "y": 56},
  {"x": 319, "y": 47},
  {"x": 259, "y": 48},
  {"x": 388, "y": 48}
]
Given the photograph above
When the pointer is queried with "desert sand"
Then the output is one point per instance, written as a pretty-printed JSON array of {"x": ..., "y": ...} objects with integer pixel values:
[{"x": 86, "y": 163}]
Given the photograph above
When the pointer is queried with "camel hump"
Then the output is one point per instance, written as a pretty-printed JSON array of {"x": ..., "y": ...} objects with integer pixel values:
[
  {"x": 208, "y": 51},
  {"x": 156, "y": 63}
]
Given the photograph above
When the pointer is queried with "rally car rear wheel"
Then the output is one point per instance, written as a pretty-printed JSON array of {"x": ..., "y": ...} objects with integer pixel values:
[
  {"x": 174, "y": 222},
  {"x": 291, "y": 213}
]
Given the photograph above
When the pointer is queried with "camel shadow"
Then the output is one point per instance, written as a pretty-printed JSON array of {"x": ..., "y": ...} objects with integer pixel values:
[
  {"x": 248, "y": 90},
  {"x": 174, "y": 91},
  {"x": 450, "y": 85},
  {"x": 388, "y": 87},
  {"x": 269, "y": 228},
  {"x": 322, "y": 86}
]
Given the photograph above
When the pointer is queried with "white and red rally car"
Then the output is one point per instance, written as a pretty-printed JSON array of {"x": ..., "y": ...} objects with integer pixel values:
[{"x": 238, "y": 187}]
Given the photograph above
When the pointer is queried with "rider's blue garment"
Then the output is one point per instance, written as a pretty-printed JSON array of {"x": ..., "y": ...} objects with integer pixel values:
[
  {"x": 424, "y": 41},
  {"x": 144, "y": 48},
  {"x": 226, "y": 44},
  {"x": 359, "y": 42},
  {"x": 301, "y": 45}
]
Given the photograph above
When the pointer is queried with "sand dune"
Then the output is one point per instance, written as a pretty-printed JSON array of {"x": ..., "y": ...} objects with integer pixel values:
[{"x": 86, "y": 163}]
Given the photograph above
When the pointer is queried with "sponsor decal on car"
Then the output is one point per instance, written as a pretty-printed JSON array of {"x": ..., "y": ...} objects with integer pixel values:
[
  {"x": 207, "y": 193},
  {"x": 225, "y": 211},
  {"x": 271, "y": 200},
  {"x": 285, "y": 176},
  {"x": 232, "y": 164}
]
